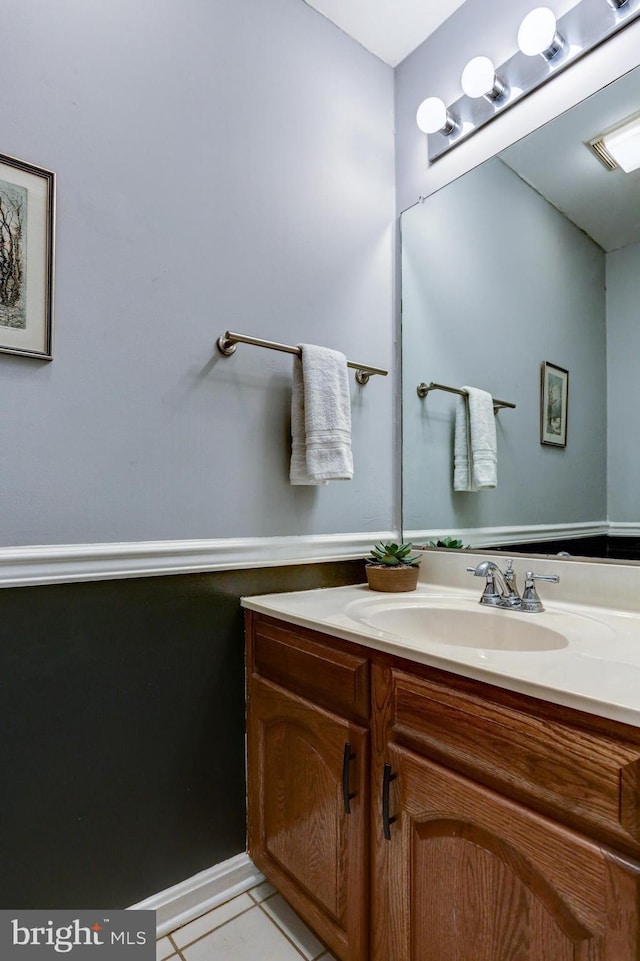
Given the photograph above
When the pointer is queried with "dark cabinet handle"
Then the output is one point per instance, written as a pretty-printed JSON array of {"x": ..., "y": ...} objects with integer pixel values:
[
  {"x": 387, "y": 821},
  {"x": 347, "y": 757}
]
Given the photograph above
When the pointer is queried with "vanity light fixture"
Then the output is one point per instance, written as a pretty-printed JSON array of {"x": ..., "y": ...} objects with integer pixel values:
[
  {"x": 545, "y": 47},
  {"x": 479, "y": 79},
  {"x": 619, "y": 147},
  {"x": 433, "y": 117},
  {"x": 538, "y": 34}
]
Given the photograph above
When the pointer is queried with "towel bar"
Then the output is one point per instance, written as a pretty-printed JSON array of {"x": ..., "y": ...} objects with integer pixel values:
[
  {"x": 227, "y": 344},
  {"x": 423, "y": 389}
]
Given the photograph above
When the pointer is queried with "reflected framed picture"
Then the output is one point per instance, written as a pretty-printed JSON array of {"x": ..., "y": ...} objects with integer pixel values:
[
  {"x": 554, "y": 399},
  {"x": 27, "y": 222}
]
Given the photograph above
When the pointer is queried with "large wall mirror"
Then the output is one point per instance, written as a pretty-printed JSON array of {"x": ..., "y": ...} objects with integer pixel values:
[{"x": 533, "y": 256}]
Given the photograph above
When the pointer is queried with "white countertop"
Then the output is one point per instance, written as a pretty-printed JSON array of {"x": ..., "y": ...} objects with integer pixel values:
[{"x": 598, "y": 671}]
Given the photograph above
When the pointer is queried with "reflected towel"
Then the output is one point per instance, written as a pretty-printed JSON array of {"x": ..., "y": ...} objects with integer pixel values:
[
  {"x": 475, "y": 461},
  {"x": 320, "y": 417}
]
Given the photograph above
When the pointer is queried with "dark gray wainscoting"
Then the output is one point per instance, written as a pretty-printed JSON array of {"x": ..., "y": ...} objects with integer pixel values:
[
  {"x": 599, "y": 546},
  {"x": 122, "y": 731}
]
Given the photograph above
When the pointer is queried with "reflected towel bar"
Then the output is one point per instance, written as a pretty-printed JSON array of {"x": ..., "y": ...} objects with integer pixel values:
[
  {"x": 423, "y": 390},
  {"x": 227, "y": 344}
]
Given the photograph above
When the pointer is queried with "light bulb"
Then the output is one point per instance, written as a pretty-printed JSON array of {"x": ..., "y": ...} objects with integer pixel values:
[
  {"x": 479, "y": 79},
  {"x": 432, "y": 116},
  {"x": 538, "y": 34}
]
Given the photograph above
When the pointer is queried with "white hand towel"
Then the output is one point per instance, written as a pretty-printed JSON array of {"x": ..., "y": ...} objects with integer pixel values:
[
  {"x": 475, "y": 462},
  {"x": 298, "y": 469},
  {"x": 320, "y": 417}
]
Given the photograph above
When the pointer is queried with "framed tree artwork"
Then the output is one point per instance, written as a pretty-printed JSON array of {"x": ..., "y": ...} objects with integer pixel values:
[
  {"x": 554, "y": 398},
  {"x": 27, "y": 219}
]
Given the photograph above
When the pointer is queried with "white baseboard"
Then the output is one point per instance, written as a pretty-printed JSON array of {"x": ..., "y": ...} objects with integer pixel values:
[
  {"x": 64, "y": 563},
  {"x": 201, "y": 893}
]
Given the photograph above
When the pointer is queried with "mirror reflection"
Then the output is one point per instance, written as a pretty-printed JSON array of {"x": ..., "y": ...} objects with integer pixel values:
[{"x": 532, "y": 257}]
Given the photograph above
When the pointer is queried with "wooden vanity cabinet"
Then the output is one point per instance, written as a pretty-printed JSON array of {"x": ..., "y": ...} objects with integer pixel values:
[
  {"x": 308, "y": 779},
  {"x": 470, "y": 866},
  {"x": 503, "y": 828}
]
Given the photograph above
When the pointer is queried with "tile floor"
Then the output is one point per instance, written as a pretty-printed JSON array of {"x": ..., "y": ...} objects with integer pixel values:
[{"x": 258, "y": 924}]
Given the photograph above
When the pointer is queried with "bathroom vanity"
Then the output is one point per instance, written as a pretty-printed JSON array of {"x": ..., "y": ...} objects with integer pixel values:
[{"x": 432, "y": 801}]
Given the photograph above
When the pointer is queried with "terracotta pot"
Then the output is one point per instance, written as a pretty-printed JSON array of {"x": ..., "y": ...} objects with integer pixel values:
[{"x": 392, "y": 579}]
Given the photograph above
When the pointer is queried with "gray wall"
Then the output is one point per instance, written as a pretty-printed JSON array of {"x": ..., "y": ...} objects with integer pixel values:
[
  {"x": 623, "y": 350},
  {"x": 226, "y": 164},
  {"x": 461, "y": 327}
]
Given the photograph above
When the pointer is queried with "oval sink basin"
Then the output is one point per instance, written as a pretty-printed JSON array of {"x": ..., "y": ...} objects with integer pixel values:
[{"x": 477, "y": 627}]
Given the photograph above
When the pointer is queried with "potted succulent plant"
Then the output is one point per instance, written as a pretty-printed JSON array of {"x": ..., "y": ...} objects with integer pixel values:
[
  {"x": 452, "y": 543},
  {"x": 392, "y": 567}
]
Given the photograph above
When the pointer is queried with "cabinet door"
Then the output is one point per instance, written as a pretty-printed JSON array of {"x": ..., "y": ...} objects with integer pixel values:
[
  {"x": 468, "y": 875},
  {"x": 308, "y": 816}
]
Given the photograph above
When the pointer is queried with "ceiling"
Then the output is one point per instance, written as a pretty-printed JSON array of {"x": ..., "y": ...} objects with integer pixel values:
[
  {"x": 553, "y": 159},
  {"x": 391, "y": 29},
  {"x": 556, "y": 162}
]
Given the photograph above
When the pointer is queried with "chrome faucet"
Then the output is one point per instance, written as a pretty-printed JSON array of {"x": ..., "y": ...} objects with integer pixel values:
[{"x": 506, "y": 593}]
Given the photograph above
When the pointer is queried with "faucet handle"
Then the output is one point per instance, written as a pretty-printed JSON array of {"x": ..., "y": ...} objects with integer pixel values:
[
  {"x": 554, "y": 578},
  {"x": 531, "y": 603},
  {"x": 512, "y": 598}
]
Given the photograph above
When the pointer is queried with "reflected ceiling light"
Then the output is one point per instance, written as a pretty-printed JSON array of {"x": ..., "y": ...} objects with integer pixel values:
[
  {"x": 616, "y": 4},
  {"x": 620, "y": 146},
  {"x": 538, "y": 34},
  {"x": 479, "y": 79},
  {"x": 433, "y": 117}
]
